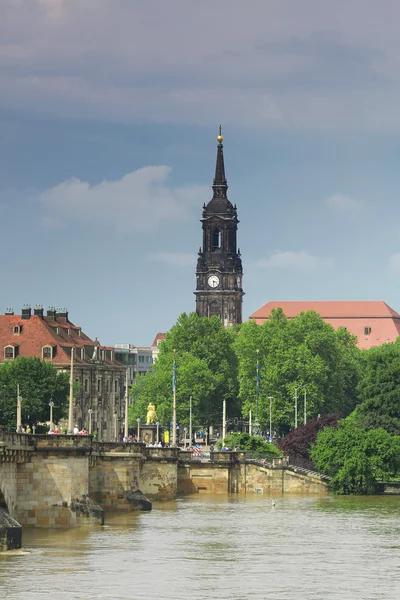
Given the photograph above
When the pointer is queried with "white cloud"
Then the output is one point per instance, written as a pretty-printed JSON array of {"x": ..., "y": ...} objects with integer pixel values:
[
  {"x": 344, "y": 204},
  {"x": 140, "y": 200},
  {"x": 393, "y": 264},
  {"x": 298, "y": 261},
  {"x": 173, "y": 258}
]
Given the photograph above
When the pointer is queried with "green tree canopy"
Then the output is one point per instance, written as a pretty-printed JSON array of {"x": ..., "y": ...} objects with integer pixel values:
[
  {"x": 356, "y": 459},
  {"x": 301, "y": 353},
  {"x": 39, "y": 381},
  {"x": 206, "y": 369},
  {"x": 379, "y": 388}
]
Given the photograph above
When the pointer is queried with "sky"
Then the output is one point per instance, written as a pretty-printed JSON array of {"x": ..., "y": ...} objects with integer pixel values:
[{"x": 109, "y": 112}]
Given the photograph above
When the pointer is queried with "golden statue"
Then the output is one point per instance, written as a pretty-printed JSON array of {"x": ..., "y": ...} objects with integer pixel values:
[{"x": 151, "y": 414}]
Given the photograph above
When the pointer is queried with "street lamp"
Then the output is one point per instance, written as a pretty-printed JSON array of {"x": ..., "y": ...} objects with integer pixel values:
[
  {"x": 256, "y": 422},
  {"x": 174, "y": 402},
  {"x": 115, "y": 426},
  {"x": 51, "y": 404},
  {"x": 90, "y": 411},
  {"x": 138, "y": 428},
  {"x": 270, "y": 398},
  {"x": 158, "y": 431},
  {"x": 184, "y": 437},
  {"x": 19, "y": 420},
  {"x": 305, "y": 405},
  {"x": 295, "y": 408}
]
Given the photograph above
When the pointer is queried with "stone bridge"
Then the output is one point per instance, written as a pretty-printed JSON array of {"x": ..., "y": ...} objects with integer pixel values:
[{"x": 66, "y": 481}]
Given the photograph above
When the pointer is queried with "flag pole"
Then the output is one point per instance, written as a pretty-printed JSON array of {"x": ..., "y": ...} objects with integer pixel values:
[
  {"x": 71, "y": 395},
  {"x": 174, "y": 403}
]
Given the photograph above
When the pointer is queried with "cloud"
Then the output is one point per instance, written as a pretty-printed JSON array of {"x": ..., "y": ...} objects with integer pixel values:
[
  {"x": 139, "y": 201},
  {"x": 344, "y": 204},
  {"x": 298, "y": 261},
  {"x": 175, "y": 259},
  {"x": 393, "y": 264},
  {"x": 151, "y": 61}
]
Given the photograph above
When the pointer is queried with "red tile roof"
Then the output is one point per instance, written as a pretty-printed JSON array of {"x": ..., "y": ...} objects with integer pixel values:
[
  {"x": 59, "y": 333},
  {"x": 355, "y": 316},
  {"x": 159, "y": 337}
]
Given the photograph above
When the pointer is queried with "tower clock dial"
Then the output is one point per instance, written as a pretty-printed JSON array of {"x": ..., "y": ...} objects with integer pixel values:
[{"x": 213, "y": 281}]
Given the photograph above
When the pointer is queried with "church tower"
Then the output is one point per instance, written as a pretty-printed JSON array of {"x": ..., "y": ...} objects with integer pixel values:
[{"x": 219, "y": 266}]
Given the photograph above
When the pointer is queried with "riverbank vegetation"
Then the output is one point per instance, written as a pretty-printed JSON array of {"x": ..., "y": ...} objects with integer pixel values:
[{"x": 262, "y": 368}]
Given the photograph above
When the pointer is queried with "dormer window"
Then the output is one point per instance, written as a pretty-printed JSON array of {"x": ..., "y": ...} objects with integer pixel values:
[
  {"x": 47, "y": 352},
  {"x": 9, "y": 352},
  {"x": 367, "y": 330},
  {"x": 17, "y": 329},
  {"x": 83, "y": 353}
]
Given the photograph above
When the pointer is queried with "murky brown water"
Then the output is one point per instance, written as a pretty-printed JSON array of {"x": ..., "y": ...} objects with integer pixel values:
[{"x": 217, "y": 547}]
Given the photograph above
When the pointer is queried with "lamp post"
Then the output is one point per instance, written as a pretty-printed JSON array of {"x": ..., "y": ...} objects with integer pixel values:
[
  {"x": 295, "y": 407},
  {"x": 138, "y": 428},
  {"x": 174, "y": 402},
  {"x": 90, "y": 411},
  {"x": 223, "y": 420},
  {"x": 19, "y": 420},
  {"x": 126, "y": 404},
  {"x": 190, "y": 421},
  {"x": 184, "y": 437},
  {"x": 115, "y": 427},
  {"x": 158, "y": 431},
  {"x": 51, "y": 404},
  {"x": 256, "y": 421},
  {"x": 71, "y": 395},
  {"x": 270, "y": 418},
  {"x": 305, "y": 405}
]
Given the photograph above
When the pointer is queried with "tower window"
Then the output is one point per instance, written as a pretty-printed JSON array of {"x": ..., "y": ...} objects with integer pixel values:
[{"x": 216, "y": 240}]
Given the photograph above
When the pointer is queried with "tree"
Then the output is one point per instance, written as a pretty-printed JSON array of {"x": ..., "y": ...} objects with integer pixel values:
[
  {"x": 356, "y": 459},
  {"x": 299, "y": 441},
  {"x": 304, "y": 352},
  {"x": 250, "y": 443},
  {"x": 379, "y": 388},
  {"x": 206, "y": 369},
  {"x": 38, "y": 381}
]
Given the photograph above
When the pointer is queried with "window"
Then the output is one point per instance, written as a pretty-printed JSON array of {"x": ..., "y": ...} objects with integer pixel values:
[
  {"x": 99, "y": 385},
  {"x": 17, "y": 329},
  {"x": 86, "y": 385},
  {"x": 9, "y": 352},
  {"x": 115, "y": 386},
  {"x": 367, "y": 330},
  {"x": 141, "y": 359},
  {"x": 216, "y": 240},
  {"x": 83, "y": 353},
  {"x": 108, "y": 385},
  {"x": 149, "y": 359},
  {"x": 47, "y": 352}
]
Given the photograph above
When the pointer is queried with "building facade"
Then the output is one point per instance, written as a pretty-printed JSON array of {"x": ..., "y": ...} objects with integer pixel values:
[
  {"x": 219, "y": 272},
  {"x": 138, "y": 359},
  {"x": 373, "y": 322},
  {"x": 99, "y": 404}
]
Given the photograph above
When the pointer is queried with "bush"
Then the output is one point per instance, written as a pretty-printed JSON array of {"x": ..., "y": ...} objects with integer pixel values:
[
  {"x": 250, "y": 443},
  {"x": 299, "y": 441}
]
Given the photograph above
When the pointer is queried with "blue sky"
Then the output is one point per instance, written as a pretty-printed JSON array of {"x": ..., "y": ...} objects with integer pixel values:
[{"x": 109, "y": 112}]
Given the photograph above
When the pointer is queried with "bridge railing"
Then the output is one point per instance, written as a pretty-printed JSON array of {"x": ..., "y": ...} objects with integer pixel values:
[{"x": 160, "y": 453}]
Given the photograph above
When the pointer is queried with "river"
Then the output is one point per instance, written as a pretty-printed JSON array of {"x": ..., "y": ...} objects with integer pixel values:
[{"x": 234, "y": 548}]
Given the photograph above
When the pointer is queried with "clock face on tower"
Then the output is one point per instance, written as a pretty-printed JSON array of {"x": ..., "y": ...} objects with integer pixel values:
[{"x": 213, "y": 281}]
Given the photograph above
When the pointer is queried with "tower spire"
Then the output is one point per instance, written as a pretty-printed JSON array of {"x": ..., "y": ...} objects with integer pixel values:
[{"x": 220, "y": 185}]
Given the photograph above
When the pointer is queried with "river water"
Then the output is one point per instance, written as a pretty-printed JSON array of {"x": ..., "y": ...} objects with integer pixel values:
[{"x": 232, "y": 548}]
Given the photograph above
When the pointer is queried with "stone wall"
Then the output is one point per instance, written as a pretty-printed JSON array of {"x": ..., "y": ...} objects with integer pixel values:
[
  {"x": 159, "y": 473},
  {"x": 256, "y": 478},
  {"x": 112, "y": 477},
  {"x": 209, "y": 478}
]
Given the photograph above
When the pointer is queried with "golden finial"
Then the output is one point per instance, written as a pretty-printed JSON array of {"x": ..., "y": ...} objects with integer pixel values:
[{"x": 220, "y": 137}]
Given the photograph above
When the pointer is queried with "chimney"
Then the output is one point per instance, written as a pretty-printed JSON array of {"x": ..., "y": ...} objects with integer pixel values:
[
  {"x": 62, "y": 313},
  {"x": 26, "y": 312},
  {"x": 38, "y": 311},
  {"x": 9, "y": 311},
  {"x": 51, "y": 312}
]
